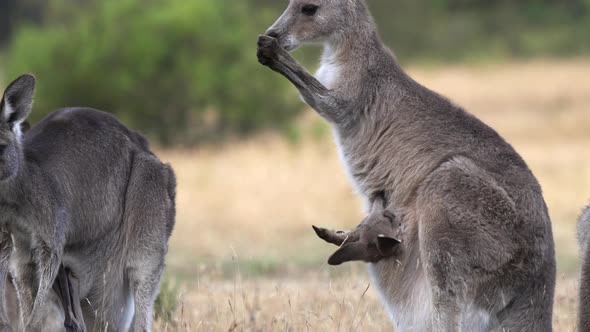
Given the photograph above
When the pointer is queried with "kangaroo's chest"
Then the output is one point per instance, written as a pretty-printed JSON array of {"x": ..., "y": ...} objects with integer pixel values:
[
  {"x": 329, "y": 73},
  {"x": 369, "y": 171},
  {"x": 379, "y": 160},
  {"x": 19, "y": 218}
]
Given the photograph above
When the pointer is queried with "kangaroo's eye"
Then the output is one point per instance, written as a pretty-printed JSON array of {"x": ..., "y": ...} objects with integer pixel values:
[{"x": 309, "y": 10}]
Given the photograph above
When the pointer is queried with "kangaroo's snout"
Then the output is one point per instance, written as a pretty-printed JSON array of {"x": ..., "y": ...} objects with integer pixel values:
[{"x": 284, "y": 39}]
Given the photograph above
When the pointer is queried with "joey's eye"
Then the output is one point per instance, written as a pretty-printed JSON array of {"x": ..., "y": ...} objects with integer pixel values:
[
  {"x": 309, "y": 10},
  {"x": 390, "y": 216},
  {"x": 2, "y": 148}
]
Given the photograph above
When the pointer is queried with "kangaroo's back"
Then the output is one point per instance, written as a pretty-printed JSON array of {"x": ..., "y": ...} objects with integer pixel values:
[
  {"x": 86, "y": 157},
  {"x": 80, "y": 128}
]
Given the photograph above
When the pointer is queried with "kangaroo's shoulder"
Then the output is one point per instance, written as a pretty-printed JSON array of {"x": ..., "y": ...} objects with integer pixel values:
[
  {"x": 83, "y": 126},
  {"x": 78, "y": 117}
]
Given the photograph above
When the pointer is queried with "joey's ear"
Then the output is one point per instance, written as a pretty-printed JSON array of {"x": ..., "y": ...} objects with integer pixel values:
[
  {"x": 17, "y": 101},
  {"x": 386, "y": 245},
  {"x": 377, "y": 204},
  {"x": 356, "y": 251},
  {"x": 333, "y": 237}
]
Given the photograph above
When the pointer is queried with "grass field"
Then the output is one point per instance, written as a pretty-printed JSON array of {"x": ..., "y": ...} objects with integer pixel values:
[{"x": 244, "y": 255}]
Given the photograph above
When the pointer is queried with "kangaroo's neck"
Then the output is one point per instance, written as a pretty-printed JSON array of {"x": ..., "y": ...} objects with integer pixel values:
[
  {"x": 17, "y": 181},
  {"x": 354, "y": 46},
  {"x": 348, "y": 56},
  {"x": 381, "y": 103}
]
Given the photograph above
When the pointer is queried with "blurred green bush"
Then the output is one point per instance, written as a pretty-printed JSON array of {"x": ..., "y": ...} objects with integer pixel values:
[
  {"x": 181, "y": 71},
  {"x": 185, "y": 71},
  {"x": 483, "y": 30}
]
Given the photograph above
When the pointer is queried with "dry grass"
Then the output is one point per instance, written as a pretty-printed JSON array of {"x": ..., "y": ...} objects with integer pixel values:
[
  {"x": 243, "y": 245},
  {"x": 307, "y": 302}
]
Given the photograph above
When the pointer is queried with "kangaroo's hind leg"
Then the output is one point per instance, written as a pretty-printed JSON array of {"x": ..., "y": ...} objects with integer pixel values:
[
  {"x": 149, "y": 215},
  {"x": 473, "y": 252}
]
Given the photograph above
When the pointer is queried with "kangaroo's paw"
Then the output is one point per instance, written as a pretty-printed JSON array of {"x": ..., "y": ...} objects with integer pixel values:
[{"x": 268, "y": 49}]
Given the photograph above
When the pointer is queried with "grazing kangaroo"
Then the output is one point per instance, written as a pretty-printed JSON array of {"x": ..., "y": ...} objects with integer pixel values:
[
  {"x": 82, "y": 190},
  {"x": 476, "y": 250},
  {"x": 584, "y": 241}
]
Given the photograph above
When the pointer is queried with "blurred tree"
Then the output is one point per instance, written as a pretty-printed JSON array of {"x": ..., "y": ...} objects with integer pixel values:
[
  {"x": 452, "y": 30},
  {"x": 13, "y": 12},
  {"x": 183, "y": 71}
]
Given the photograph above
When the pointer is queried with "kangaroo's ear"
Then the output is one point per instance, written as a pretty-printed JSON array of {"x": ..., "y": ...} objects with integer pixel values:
[
  {"x": 386, "y": 245},
  {"x": 356, "y": 251},
  {"x": 17, "y": 101}
]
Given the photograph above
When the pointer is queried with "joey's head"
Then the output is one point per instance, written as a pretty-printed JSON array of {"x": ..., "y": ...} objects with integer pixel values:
[
  {"x": 376, "y": 238},
  {"x": 317, "y": 21},
  {"x": 15, "y": 106}
]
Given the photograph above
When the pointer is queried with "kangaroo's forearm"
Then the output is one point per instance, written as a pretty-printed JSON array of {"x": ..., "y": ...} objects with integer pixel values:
[
  {"x": 313, "y": 91},
  {"x": 289, "y": 67}
]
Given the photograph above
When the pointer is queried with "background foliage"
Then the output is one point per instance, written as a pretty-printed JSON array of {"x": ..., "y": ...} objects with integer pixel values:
[
  {"x": 182, "y": 71},
  {"x": 185, "y": 71}
]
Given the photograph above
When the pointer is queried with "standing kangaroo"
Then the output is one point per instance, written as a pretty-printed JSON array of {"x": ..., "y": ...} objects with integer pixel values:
[
  {"x": 82, "y": 190},
  {"x": 477, "y": 250},
  {"x": 584, "y": 241}
]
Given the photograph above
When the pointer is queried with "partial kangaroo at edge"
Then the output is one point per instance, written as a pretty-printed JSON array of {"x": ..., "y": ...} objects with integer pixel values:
[
  {"x": 477, "y": 251},
  {"x": 82, "y": 190},
  {"x": 584, "y": 294}
]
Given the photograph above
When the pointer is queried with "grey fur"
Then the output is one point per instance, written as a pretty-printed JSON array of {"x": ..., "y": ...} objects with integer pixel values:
[
  {"x": 83, "y": 190},
  {"x": 584, "y": 241},
  {"x": 52, "y": 315},
  {"x": 477, "y": 247}
]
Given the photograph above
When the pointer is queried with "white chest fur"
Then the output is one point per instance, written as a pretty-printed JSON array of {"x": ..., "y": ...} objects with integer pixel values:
[{"x": 329, "y": 71}]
